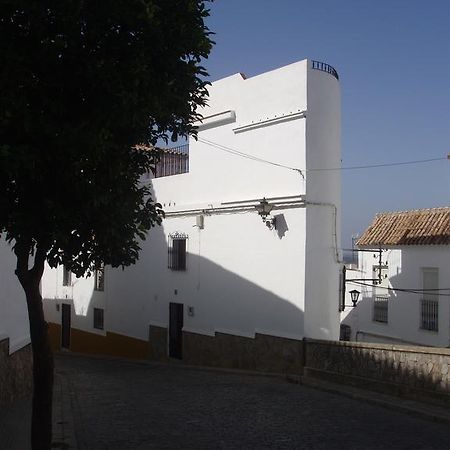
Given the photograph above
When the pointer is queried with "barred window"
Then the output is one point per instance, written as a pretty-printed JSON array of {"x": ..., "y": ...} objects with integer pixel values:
[
  {"x": 99, "y": 276},
  {"x": 177, "y": 252},
  {"x": 429, "y": 314},
  {"x": 380, "y": 309},
  {"x": 173, "y": 161},
  {"x": 98, "y": 318},
  {"x": 429, "y": 305}
]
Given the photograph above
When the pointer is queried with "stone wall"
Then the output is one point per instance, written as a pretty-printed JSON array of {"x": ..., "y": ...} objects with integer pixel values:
[
  {"x": 15, "y": 373},
  {"x": 263, "y": 353},
  {"x": 422, "y": 373}
]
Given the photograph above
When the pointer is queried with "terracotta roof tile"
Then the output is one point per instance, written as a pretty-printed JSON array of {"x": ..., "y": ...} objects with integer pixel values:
[{"x": 416, "y": 227}]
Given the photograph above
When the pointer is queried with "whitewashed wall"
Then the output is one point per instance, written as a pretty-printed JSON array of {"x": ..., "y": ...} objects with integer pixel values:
[
  {"x": 241, "y": 277},
  {"x": 405, "y": 272},
  {"x": 323, "y": 194},
  {"x": 80, "y": 294},
  {"x": 13, "y": 308}
]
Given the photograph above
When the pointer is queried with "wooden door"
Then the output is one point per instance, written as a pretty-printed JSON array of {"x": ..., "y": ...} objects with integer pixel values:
[
  {"x": 175, "y": 330},
  {"x": 65, "y": 326}
]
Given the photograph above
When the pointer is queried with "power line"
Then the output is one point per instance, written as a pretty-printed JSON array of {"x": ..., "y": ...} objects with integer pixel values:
[
  {"x": 371, "y": 166},
  {"x": 367, "y": 166},
  {"x": 245, "y": 155},
  {"x": 411, "y": 291}
]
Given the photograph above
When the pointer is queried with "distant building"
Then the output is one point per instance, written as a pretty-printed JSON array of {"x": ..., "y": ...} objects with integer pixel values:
[
  {"x": 411, "y": 303},
  {"x": 214, "y": 285}
]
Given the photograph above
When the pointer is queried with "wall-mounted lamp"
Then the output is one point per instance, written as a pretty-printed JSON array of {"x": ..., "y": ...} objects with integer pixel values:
[
  {"x": 354, "y": 294},
  {"x": 264, "y": 209}
]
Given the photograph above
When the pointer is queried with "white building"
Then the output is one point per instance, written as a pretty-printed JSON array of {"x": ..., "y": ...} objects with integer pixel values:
[
  {"x": 411, "y": 304},
  {"x": 214, "y": 285},
  {"x": 15, "y": 354}
]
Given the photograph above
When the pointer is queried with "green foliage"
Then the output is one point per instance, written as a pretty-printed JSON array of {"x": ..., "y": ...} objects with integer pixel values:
[{"x": 81, "y": 83}]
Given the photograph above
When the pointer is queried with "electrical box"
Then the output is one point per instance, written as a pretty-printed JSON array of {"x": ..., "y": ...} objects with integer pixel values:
[{"x": 200, "y": 221}]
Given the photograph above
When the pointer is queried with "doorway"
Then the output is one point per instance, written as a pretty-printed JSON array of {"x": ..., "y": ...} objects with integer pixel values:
[
  {"x": 175, "y": 330},
  {"x": 65, "y": 325}
]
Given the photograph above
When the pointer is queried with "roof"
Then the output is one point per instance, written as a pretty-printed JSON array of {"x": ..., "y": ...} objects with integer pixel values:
[{"x": 417, "y": 227}]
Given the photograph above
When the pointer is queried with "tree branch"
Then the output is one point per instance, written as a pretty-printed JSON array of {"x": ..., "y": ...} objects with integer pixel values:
[
  {"x": 22, "y": 250},
  {"x": 39, "y": 261}
]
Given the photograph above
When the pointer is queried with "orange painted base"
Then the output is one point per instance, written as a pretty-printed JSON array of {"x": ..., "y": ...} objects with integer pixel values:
[{"x": 112, "y": 344}]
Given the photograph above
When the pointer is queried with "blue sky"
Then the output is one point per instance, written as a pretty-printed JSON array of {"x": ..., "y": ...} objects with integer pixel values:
[{"x": 393, "y": 59}]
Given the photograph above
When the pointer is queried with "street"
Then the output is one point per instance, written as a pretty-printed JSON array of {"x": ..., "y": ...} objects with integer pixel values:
[{"x": 123, "y": 405}]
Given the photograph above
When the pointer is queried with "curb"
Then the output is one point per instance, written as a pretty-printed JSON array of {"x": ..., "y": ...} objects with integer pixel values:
[{"x": 410, "y": 407}]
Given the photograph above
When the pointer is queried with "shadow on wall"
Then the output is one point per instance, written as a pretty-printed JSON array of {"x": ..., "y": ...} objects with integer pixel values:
[
  {"x": 391, "y": 364},
  {"x": 402, "y": 322},
  {"x": 420, "y": 373},
  {"x": 228, "y": 321}
]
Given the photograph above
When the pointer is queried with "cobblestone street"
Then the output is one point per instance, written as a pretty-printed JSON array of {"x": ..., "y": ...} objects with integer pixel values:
[{"x": 125, "y": 405}]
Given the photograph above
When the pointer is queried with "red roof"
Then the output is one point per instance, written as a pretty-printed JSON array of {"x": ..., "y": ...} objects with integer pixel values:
[{"x": 417, "y": 227}]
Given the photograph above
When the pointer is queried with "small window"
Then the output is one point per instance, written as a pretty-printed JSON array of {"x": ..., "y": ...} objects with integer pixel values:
[
  {"x": 429, "y": 303},
  {"x": 98, "y": 318},
  {"x": 381, "y": 309},
  {"x": 177, "y": 252},
  {"x": 67, "y": 276},
  {"x": 99, "y": 276}
]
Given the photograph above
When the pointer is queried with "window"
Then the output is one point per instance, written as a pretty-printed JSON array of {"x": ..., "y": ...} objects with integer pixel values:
[
  {"x": 99, "y": 275},
  {"x": 67, "y": 276},
  {"x": 173, "y": 161},
  {"x": 177, "y": 251},
  {"x": 380, "y": 309},
  {"x": 429, "y": 304},
  {"x": 98, "y": 318}
]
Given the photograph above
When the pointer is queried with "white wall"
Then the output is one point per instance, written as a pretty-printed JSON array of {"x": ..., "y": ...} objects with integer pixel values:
[
  {"x": 13, "y": 307},
  {"x": 323, "y": 195},
  {"x": 241, "y": 277},
  {"x": 80, "y": 294},
  {"x": 405, "y": 272}
]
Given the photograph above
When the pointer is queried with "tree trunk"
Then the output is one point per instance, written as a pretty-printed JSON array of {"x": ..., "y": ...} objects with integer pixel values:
[{"x": 41, "y": 419}]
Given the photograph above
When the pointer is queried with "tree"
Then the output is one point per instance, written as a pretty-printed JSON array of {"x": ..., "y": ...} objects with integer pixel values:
[{"x": 81, "y": 83}]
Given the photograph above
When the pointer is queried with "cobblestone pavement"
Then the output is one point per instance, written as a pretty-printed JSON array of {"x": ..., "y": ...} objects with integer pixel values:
[
  {"x": 15, "y": 425},
  {"x": 125, "y": 405}
]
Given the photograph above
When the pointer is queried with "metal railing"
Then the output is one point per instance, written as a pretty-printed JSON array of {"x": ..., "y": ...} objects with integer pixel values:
[
  {"x": 429, "y": 314},
  {"x": 380, "y": 309},
  {"x": 325, "y": 68},
  {"x": 173, "y": 161}
]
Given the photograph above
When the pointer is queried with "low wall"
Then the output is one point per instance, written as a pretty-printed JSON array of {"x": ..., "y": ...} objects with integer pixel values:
[
  {"x": 422, "y": 373},
  {"x": 15, "y": 373},
  {"x": 111, "y": 344}
]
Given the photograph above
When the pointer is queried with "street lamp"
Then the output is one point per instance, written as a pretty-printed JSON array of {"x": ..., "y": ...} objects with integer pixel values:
[
  {"x": 354, "y": 294},
  {"x": 264, "y": 209}
]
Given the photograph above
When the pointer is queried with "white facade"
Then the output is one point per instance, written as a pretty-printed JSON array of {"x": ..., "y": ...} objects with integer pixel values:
[
  {"x": 13, "y": 307},
  {"x": 406, "y": 323},
  {"x": 241, "y": 277}
]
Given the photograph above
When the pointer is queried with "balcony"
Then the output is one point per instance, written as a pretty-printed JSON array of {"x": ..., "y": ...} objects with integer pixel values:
[
  {"x": 317, "y": 65},
  {"x": 173, "y": 161}
]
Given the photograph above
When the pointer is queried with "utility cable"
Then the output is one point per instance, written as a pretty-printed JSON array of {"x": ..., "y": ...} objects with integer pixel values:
[
  {"x": 246, "y": 155},
  {"x": 367, "y": 166},
  {"x": 411, "y": 291}
]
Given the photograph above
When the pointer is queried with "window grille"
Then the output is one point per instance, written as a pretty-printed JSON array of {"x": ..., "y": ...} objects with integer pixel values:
[
  {"x": 380, "y": 309},
  {"x": 173, "y": 161},
  {"x": 99, "y": 278},
  {"x": 429, "y": 314},
  {"x": 67, "y": 276},
  {"x": 177, "y": 252},
  {"x": 98, "y": 318}
]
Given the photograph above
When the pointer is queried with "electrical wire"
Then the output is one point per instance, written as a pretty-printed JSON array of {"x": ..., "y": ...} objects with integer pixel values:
[
  {"x": 368, "y": 166},
  {"x": 245, "y": 155},
  {"x": 411, "y": 291},
  {"x": 372, "y": 166}
]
